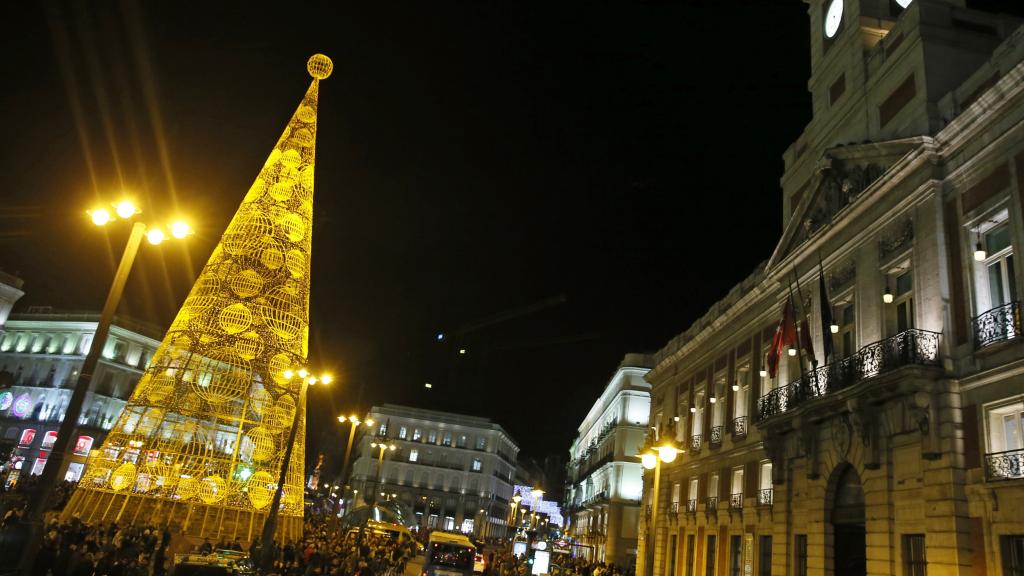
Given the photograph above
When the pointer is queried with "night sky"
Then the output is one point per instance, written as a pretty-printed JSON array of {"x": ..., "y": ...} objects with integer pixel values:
[{"x": 551, "y": 185}]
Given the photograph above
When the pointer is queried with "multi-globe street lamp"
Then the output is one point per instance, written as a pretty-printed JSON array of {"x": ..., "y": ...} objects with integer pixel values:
[
  {"x": 128, "y": 211},
  {"x": 382, "y": 446},
  {"x": 270, "y": 524},
  {"x": 651, "y": 459},
  {"x": 354, "y": 423}
]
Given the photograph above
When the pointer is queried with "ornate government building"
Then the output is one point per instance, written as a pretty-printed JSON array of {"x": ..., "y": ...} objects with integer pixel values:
[{"x": 902, "y": 452}]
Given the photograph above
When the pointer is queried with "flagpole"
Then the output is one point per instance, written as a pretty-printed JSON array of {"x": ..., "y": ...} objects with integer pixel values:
[
  {"x": 806, "y": 320},
  {"x": 796, "y": 330}
]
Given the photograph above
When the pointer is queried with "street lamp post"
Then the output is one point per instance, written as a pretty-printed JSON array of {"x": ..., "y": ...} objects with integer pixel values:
[
  {"x": 516, "y": 498},
  {"x": 651, "y": 460},
  {"x": 270, "y": 524},
  {"x": 348, "y": 449},
  {"x": 382, "y": 446},
  {"x": 40, "y": 499}
]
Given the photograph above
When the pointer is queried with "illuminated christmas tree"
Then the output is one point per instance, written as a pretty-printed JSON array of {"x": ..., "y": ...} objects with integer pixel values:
[{"x": 200, "y": 444}]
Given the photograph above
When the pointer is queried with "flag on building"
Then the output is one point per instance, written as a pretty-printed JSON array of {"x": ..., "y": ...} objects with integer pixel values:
[{"x": 785, "y": 336}]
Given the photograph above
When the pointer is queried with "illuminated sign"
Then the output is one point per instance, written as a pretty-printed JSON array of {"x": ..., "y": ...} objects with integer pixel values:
[
  {"x": 23, "y": 406},
  {"x": 6, "y": 399},
  {"x": 27, "y": 436},
  {"x": 49, "y": 439},
  {"x": 549, "y": 507},
  {"x": 83, "y": 445}
]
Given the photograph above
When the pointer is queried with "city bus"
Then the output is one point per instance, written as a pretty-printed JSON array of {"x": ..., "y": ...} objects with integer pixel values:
[{"x": 449, "y": 555}]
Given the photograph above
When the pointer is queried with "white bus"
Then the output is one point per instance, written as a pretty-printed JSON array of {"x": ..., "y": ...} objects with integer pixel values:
[{"x": 449, "y": 555}]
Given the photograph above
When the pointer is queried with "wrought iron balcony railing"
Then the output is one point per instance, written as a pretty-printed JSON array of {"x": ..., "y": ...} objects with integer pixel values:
[
  {"x": 1006, "y": 465},
  {"x": 736, "y": 501},
  {"x": 673, "y": 508},
  {"x": 695, "y": 441},
  {"x": 739, "y": 428},
  {"x": 711, "y": 504},
  {"x": 691, "y": 506},
  {"x": 716, "y": 435},
  {"x": 764, "y": 497},
  {"x": 910, "y": 347},
  {"x": 999, "y": 324}
]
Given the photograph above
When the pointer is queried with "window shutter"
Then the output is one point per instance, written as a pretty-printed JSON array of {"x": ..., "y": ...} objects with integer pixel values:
[
  {"x": 725, "y": 484},
  {"x": 750, "y": 478},
  {"x": 972, "y": 447}
]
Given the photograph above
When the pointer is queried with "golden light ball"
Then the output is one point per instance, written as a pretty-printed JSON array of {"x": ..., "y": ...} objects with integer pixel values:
[
  {"x": 123, "y": 477},
  {"x": 319, "y": 66}
]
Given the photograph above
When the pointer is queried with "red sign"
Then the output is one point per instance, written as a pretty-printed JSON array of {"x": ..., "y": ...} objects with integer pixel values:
[
  {"x": 27, "y": 436},
  {"x": 83, "y": 445},
  {"x": 49, "y": 439}
]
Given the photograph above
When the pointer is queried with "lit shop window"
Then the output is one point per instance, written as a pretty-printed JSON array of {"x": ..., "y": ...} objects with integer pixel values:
[
  {"x": 414, "y": 455},
  {"x": 49, "y": 439}
]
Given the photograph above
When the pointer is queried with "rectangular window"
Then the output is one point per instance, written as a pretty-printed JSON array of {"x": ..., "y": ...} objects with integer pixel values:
[
  {"x": 402, "y": 433},
  {"x": 994, "y": 270},
  {"x": 764, "y": 558},
  {"x": 694, "y": 485},
  {"x": 844, "y": 342},
  {"x": 735, "y": 555},
  {"x": 414, "y": 455},
  {"x": 697, "y": 422},
  {"x": 691, "y": 544},
  {"x": 736, "y": 488},
  {"x": 800, "y": 551},
  {"x": 462, "y": 441},
  {"x": 478, "y": 465},
  {"x": 432, "y": 437},
  {"x": 670, "y": 569},
  {"x": 1012, "y": 550},
  {"x": 447, "y": 439},
  {"x": 717, "y": 400},
  {"x": 676, "y": 491},
  {"x": 712, "y": 485},
  {"x": 742, "y": 396},
  {"x": 481, "y": 443},
  {"x": 383, "y": 430},
  {"x": 1004, "y": 431},
  {"x": 914, "y": 563},
  {"x": 900, "y": 314},
  {"x": 709, "y": 557},
  {"x": 416, "y": 434}
]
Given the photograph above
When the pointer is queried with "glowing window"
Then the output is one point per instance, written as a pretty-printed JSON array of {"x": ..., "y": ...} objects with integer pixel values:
[
  {"x": 49, "y": 439},
  {"x": 83, "y": 445}
]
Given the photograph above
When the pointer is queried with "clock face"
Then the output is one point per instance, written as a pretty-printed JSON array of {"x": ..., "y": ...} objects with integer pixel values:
[{"x": 833, "y": 17}]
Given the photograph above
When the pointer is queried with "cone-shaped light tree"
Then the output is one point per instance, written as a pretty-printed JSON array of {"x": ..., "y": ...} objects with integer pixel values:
[{"x": 200, "y": 444}]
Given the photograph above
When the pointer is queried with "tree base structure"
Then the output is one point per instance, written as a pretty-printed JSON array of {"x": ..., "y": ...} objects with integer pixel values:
[{"x": 192, "y": 520}]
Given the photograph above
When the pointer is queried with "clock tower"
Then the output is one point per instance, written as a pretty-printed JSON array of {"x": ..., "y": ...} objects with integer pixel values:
[{"x": 878, "y": 70}]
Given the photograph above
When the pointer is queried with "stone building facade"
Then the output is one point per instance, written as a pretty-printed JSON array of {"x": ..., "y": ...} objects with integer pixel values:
[
  {"x": 455, "y": 472},
  {"x": 903, "y": 452},
  {"x": 41, "y": 351},
  {"x": 604, "y": 476}
]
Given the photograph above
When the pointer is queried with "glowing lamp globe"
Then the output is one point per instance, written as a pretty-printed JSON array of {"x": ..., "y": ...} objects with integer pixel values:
[
  {"x": 649, "y": 460},
  {"x": 319, "y": 66},
  {"x": 667, "y": 453},
  {"x": 126, "y": 209},
  {"x": 833, "y": 328},
  {"x": 100, "y": 217},
  {"x": 155, "y": 236}
]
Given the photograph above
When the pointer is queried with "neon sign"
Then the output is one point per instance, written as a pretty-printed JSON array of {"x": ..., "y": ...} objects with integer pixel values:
[
  {"x": 23, "y": 406},
  {"x": 6, "y": 399}
]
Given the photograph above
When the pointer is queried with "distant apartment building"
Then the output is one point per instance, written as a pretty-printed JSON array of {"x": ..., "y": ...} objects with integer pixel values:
[
  {"x": 41, "y": 352},
  {"x": 455, "y": 472},
  {"x": 604, "y": 476}
]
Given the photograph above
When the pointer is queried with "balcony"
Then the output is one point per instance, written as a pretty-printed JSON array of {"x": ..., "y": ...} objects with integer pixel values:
[
  {"x": 695, "y": 442},
  {"x": 711, "y": 504},
  {"x": 736, "y": 501},
  {"x": 1007, "y": 465},
  {"x": 739, "y": 428},
  {"x": 716, "y": 435},
  {"x": 673, "y": 508},
  {"x": 691, "y": 506},
  {"x": 999, "y": 324},
  {"x": 764, "y": 498},
  {"x": 910, "y": 347}
]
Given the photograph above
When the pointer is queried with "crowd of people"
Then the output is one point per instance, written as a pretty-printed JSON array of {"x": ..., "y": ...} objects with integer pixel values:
[
  {"x": 507, "y": 564},
  {"x": 324, "y": 551},
  {"x": 73, "y": 548}
]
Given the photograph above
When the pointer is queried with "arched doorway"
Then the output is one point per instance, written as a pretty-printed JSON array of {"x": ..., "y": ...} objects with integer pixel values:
[{"x": 846, "y": 520}]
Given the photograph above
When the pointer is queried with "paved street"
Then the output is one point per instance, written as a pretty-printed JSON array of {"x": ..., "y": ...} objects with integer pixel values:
[{"x": 414, "y": 567}]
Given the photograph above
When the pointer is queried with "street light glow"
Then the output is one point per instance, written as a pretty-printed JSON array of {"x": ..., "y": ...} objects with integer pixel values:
[
  {"x": 100, "y": 216},
  {"x": 303, "y": 373},
  {"x": 155, "y": 236},
  {"x": 288, "y": 374},
  {"x": 180, "y": 229},
  {"x": 326, "y": 379},
  {"x": 126, "y": 209},
  {"x": 667, "y": 453},
  {"x": 649, "y": 460}
]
